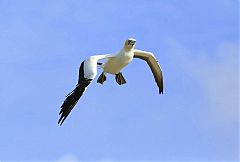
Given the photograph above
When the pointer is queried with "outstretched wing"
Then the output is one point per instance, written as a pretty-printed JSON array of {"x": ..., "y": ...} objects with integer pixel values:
[
  {"x": 87, "y": 72},
  {"x": 153, "y": 64}
]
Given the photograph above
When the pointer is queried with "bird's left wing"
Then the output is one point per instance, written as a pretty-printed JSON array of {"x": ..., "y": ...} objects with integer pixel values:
[
  {"x": 153, "y": 64},
  {"x": 87, "y": 72}
]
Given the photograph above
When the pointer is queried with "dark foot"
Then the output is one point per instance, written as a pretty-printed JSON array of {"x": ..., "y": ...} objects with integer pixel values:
[
  {"x": 120, "y": 79},
  {"x": 102, "y": 78}
]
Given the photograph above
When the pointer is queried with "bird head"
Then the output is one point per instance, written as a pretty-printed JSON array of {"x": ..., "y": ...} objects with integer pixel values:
[{"x": 130, "y": 43}]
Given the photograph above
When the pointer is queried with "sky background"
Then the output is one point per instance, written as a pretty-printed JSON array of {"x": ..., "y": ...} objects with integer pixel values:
[{"x": 43, "y": 42}]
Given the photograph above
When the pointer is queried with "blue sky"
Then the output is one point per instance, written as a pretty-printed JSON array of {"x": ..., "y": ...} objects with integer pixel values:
[{"x": 43, "y": 43}]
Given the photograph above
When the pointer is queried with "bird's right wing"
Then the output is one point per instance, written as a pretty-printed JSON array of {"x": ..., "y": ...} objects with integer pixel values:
[
  {"x": 153, "y": 64},
  {"x": 87, "y": 72}
]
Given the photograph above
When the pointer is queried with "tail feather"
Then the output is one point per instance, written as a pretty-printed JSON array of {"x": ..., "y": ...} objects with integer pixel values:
[{"x": 72, "y": 99}]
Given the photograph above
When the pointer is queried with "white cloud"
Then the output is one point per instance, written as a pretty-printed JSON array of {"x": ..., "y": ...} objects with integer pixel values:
[
  {"x": 217, "y": 74},
  {"x": 73, "y": 158},
  {"x": 68, "y": 158},
  {"x": 219, "y": 80}
]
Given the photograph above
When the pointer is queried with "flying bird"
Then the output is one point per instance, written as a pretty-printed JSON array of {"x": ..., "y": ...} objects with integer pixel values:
[{"x": 114, "y": 63}]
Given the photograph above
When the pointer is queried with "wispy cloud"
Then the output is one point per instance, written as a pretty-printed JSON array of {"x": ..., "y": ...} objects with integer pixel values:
[
  {"x": 68, "y": 158},
  {"x": 219, "y": 80},
  {"x": 73, "y": 158},
  {"x": 217, "y": 75}
]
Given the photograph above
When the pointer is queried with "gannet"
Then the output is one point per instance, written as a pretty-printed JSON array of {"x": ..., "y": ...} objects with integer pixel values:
[{"x": 114, "y": 63}]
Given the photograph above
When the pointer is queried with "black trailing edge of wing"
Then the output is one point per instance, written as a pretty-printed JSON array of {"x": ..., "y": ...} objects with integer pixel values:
[{"x": 73, "y": 97}]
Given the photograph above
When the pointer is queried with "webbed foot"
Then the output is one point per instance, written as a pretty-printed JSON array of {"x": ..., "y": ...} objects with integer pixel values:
[
  {"x": 120, "y": 79},
  {"x": 102, "y": 78}
]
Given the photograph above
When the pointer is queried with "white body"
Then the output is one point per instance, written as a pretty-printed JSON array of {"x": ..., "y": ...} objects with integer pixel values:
[{"x": 115, "y": 64}]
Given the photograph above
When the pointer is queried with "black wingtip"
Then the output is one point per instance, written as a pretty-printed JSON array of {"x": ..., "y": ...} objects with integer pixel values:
[
  {"x": 72, "y": 100},
  {"x": 160, "y": 91},
  {"x": 62, "y": 119},
  {"x": 60, "y": 122}
]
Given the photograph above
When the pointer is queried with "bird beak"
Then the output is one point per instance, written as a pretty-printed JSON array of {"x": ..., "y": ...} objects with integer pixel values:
[{"x": 131, "y": 43}]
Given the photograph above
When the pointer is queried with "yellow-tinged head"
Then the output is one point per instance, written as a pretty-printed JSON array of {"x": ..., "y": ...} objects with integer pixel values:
[{"x": 130, "y": 43}]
